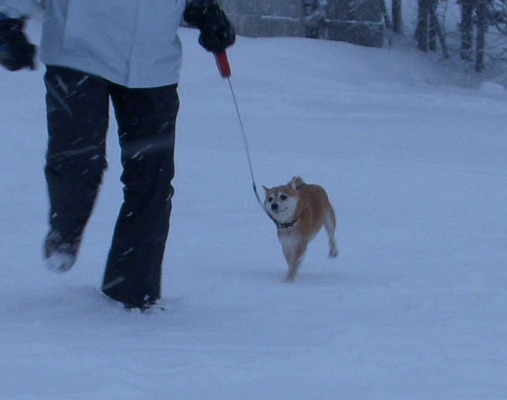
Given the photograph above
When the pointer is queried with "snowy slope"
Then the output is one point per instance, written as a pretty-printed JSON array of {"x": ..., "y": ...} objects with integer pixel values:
[{"x": 413, "y": 308}]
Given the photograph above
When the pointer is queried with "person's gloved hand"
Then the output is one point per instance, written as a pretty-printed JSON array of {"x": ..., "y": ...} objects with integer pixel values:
[
  {"x": 16, "y": 52},
  {"x": 217, "y": 33}
]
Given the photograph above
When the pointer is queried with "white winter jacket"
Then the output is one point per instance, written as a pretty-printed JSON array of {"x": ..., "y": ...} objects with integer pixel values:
[{"x": 130, "y": 42}]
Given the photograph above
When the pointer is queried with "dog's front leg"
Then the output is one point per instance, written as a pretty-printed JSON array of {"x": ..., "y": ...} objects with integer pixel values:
[
  {"x": 288, "y": 244},
  {"x": 297, "y": 258},
  {"x": 290, "y": 257}
]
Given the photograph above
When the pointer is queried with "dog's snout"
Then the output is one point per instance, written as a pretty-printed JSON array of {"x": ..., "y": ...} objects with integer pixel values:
[{"x": 274, "y": 206}]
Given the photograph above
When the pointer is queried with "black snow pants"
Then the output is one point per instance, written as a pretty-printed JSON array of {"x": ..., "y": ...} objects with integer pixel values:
[{"x": 78, "y": 113}]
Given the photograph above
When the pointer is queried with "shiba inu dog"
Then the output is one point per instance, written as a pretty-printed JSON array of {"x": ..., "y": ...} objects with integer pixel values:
[{"x": 299, "y": 211}]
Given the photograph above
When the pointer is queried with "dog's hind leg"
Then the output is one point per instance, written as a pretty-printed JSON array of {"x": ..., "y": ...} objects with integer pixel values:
[{"x": 330, "y": 226}]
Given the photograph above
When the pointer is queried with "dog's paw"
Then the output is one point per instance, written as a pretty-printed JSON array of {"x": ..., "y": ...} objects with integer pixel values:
[{"x": 333, "y": 251}]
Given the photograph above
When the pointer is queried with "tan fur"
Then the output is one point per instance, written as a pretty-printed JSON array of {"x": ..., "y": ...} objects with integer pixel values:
[{"x": 300, "y": 211}]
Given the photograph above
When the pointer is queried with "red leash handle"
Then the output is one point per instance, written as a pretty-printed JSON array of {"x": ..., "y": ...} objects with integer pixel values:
[{"x": 223, "y": 64}]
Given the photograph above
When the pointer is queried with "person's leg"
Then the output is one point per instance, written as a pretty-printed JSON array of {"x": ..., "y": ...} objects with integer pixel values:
[
  {"x": 146, "y": 120},
  {"x": 77, "y": 117}
]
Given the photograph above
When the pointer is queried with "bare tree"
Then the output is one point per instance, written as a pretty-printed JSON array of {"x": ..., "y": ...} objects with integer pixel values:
[
  {"x": 428, "y": 30},
  {"x": 397, "y": 23},
  {"x": 467, "y": 28},
  {"x": 482, "y": 27},
  {"x": 474, "y": 14},
  {"x": 421, "y": 32}
]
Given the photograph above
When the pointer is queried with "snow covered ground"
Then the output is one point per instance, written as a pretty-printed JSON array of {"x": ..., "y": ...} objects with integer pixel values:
[{"x": 413, "y": 308}]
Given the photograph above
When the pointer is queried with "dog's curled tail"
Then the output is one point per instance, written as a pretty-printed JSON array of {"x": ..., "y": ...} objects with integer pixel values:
[{"x": 296, "y": 182}]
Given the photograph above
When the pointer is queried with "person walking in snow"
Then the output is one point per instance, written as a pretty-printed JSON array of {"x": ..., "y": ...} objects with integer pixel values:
[{"x": 127, "y": 52}]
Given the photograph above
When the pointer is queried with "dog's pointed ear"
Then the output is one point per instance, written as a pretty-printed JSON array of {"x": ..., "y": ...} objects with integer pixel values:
[{"x": 265, "y": 189}]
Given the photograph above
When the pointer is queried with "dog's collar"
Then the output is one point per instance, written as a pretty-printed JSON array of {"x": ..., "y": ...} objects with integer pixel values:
[{"x": 285, "y": 225}]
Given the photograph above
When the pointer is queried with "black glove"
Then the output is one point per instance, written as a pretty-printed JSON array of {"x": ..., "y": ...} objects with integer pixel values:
[
  {"x": 16, "y": 52},
  {"x": 217, "y": 33}
]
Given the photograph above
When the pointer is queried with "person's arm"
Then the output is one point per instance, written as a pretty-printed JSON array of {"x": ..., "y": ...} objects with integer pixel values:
[
  {"x": 18, "y": 8},
  {"x": 217, "y": 33}
]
